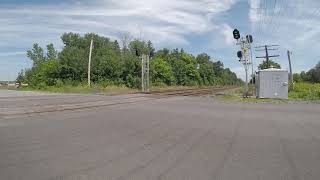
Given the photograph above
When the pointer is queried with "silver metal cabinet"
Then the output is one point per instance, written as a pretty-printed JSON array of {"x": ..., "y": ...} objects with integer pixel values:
[{"x": 272, "y": 83}]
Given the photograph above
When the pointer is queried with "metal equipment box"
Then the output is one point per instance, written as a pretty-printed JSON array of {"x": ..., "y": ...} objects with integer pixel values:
[{"x": 272, "y": 83}]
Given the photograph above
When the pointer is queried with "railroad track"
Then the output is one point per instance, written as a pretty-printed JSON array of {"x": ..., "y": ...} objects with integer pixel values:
[
  {"x": 189, "y": 92},
  {"x": 30, "y": 110}
]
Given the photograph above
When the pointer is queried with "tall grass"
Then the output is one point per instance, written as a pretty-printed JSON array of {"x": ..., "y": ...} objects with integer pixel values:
[{"x": 305, "y": 91}]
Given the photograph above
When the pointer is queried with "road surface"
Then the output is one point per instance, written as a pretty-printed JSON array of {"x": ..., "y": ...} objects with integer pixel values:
[{"x": 137, "y": 137}]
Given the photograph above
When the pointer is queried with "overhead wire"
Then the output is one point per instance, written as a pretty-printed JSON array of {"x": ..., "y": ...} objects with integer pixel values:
[{"x": 262, "y": 8}]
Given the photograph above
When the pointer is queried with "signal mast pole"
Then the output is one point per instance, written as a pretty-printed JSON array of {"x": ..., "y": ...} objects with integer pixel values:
[{"x": 243, "y": 54}]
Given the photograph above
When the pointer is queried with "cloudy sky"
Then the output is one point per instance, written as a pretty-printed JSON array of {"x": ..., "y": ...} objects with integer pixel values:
[{"x": 195, "y": 25}]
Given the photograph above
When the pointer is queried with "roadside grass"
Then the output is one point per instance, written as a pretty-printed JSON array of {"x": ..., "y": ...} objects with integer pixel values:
[
  {"x": 165, "y": 88},
  {"x": 106, "y": 90},
  {"x": 305, "y": 91},
  {"x": 83, "y": 89},
  {"x": 302, "y": 92},
  {"x": 236, "y": 95},
  {"x": 239, "y": 98}
]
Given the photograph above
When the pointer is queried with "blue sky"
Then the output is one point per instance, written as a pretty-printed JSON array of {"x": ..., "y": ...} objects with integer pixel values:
[{"x": 195, "y": 25}]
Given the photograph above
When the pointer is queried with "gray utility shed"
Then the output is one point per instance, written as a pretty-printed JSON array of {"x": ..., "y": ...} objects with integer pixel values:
[{"x": 272, "y": 83}]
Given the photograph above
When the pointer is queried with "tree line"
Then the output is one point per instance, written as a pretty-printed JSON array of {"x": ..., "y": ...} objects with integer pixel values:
[
  {"x": 313, "y": 75},
  {"x": 115, "y": 65}
]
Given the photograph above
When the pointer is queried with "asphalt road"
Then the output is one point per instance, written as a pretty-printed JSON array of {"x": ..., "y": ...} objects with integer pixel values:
[{"x": 135, "y": 137}]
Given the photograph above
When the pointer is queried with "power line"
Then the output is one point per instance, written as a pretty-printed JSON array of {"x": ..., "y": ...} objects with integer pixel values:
[
  {"x": 282, "y": 11},
  {"x": 260, "y": 22},
  {"x": 273, "y": 13},
  {"x": 316, "y": 12},
  {"x": 275, "y": 16}
]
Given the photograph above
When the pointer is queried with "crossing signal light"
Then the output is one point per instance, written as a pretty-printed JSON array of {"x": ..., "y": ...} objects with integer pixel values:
[
  {"x": 249, "y": 38},
  {"x": 236, "y": 34},
  {"x": 239, "y": 54}
]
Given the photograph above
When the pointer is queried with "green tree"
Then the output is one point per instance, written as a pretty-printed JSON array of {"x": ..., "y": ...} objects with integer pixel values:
[
  {"x": 161, "y": 72},
  {"x": 52, "y": 54},
  {"x": 46, "y": 74},
  {"x": 21, "y": 77},
  {"x": 114, "y": 65},
  {"x": 297, "y": 77},
  {"x": 207, "y": 74},
  {"x": 203, "y": 58},
  {"x": 151, "y": 49},
  {"x": 74, "y": 63},
  {"x": 273, "y": 64},
  {"x": 313, "y": 75},
  {"x": 71, "y": 39},
  {"x": 138, "y": 47},
  {"x": 131, "y": 70},
  {"x": 218, "y": 68},
  {"x": 163, "y": 53},
  {"x": 36, "y": 55},
  {"x": 193, "y": 77}
]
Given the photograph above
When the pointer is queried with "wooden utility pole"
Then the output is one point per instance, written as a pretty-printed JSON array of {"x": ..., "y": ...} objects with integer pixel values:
[
  {"x": 267, "y": 49},
  {"x": 89, "y": 63},
  {"x": 290, "y": 67}
]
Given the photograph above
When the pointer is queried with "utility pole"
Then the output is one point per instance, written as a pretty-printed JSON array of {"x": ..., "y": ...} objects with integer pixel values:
[
  {"x": 290, "y": 67},
  {"x": 89, "y": 63},
  {"x": 267, "y": 48}
]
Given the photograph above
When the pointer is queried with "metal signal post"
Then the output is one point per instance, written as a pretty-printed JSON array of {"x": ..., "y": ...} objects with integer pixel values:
[
  {"x": 145, "y": 59},
  {"x": 243, "y": 54}
]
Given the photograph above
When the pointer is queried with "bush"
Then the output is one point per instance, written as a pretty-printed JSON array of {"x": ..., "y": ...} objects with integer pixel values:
[{"x": 133, "y": 82}]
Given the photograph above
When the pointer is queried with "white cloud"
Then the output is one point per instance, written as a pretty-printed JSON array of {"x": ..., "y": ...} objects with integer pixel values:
[
  {"x": 293, "y": 24},
  {"x": 254, "y": 10},
  {"x": 168, "y": 23},
  {"x": 227, "y": 33},
  {"x": 165, "y": 20}
]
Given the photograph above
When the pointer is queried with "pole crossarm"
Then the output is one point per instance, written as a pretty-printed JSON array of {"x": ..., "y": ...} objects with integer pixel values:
[
  {"x": 268, "y": 49},
  {"x": 268, "y": 56},
  {"x": 267, "y": 46}
]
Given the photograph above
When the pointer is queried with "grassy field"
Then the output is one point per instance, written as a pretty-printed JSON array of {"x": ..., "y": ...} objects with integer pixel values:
[{"x": 305, "y": 91}]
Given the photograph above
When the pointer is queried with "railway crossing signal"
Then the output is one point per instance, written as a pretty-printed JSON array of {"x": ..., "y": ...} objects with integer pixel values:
[
  {"x": 243, "y": 54},
  {"x": 239, "y": 54},
  {"x": 236, "y": 34},
  {"x": 249, "y": 39}
]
